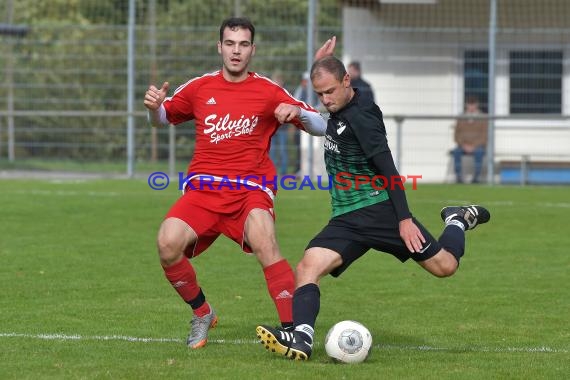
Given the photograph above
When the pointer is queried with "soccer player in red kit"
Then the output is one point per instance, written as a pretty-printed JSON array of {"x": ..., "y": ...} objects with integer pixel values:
[{"x": 231, "y": 180}]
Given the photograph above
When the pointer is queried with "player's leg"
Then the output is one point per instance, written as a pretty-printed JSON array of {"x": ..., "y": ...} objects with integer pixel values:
[
  {"x": 259, "y": 235},
  {"x": 440, "y": 256},
  {"x": 457, "y": 153},
  {"x": 176, "y": 242},
  {"x": 443, "y": 264},
  {"x": 332, "y": 251},
  {"x": 174, "y": 238},
  {"x": 478, "y": 155},
  {"x": 316, "y": 263},
  {"x": 457, "y": 220},
  {"x": 297, "y": 344}
]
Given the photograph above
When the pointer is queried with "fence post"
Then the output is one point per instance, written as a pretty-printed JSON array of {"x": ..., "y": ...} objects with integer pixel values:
[
  {"x": 525, "y": 158},
  {"x": 153, "y": 72},
  {"x": 131, "y": 91},
  {"x": 399, "y": 133},
  {"x": 491, "y": 95},
  {"x": 10, "y": 106},
  {"x": 171, "y": 150},
  {"x": 10, "y": 85},
  {"x": 311, "y": 35}
]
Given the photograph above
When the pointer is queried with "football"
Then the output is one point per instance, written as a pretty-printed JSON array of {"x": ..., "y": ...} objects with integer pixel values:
[{"x": 348, "y": 342}]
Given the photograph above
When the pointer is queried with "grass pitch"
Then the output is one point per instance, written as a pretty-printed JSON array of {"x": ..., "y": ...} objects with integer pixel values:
[{"x": 83, "y": 296}]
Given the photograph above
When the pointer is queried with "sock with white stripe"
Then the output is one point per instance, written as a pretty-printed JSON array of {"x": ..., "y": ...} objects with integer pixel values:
[{"x": 307, "y": 331}]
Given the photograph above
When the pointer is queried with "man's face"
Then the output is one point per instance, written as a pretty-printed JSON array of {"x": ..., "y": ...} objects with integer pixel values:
[
  {"x": 472, "y": 108},
  {"x": 333, "y": 94},
  {"x": 236, "y": 50}
]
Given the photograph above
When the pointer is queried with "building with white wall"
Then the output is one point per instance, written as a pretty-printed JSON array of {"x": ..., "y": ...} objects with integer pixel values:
[{"x": 423, "y": 57}]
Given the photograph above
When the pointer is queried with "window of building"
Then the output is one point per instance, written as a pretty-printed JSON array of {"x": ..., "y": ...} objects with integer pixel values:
[
  {"x": 476, "y": 76},
  {"x": 536, "y": 81}
]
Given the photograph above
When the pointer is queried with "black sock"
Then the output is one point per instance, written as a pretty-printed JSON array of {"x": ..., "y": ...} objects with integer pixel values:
[
  {"x": 306, "y": 305},
  {"x": 453, "y": 240},
  {"x": 287, "y": 325},
  {"x": 198, "y": 300}
]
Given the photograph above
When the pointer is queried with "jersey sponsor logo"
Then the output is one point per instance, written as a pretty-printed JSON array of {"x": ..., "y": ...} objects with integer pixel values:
[
  {"x": 340, "y": 127},
  {"x": 211, "y": 101},
  {"x": 223, "y": 127},
  {"x": 331, "y": 145}
]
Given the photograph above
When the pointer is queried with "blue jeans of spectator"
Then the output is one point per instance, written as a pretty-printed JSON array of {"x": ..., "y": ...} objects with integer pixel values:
[
  {"x": 478, "y": 155},
  {"x": 278, "y": 152}
]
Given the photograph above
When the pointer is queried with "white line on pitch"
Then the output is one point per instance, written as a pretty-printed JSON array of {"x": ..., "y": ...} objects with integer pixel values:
[
  {"x": 496, "y": 203},
  {"x": 82, "y": 337},
  {"x": 541, "y": 349}
]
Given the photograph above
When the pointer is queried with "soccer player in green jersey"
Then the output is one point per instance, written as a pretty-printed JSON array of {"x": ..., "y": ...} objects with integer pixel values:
[{"x": 369, "y": 209}]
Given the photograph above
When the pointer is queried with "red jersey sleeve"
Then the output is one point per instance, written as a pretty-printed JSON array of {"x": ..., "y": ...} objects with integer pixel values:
[{"x": 179, "y": 107}]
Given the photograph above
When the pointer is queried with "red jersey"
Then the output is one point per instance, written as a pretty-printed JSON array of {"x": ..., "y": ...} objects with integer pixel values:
[{"x": 234, "y": 123}]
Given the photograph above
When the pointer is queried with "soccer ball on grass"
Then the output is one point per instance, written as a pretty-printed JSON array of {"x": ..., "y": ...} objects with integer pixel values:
[{"x": 348, "y": 342}]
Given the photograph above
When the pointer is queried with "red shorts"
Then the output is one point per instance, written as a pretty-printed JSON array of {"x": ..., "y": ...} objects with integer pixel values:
[{"x": 213, "y": 212}]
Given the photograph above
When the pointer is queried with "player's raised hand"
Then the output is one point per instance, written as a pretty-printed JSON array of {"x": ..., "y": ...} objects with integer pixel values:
[
  {"x": 286, "y": 112},
  {"x": 154, "y": 96},
  {"x": 327, "y": 48}
]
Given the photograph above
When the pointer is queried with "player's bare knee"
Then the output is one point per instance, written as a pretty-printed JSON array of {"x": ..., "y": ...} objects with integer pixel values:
[
  {"x": 170, "y": 247},
  {"x": 169, "y": 250},
  {"x": 306, "y": 272},
  {"x": 174, "y": 236},
  {"x": 311, "y": 269},
  {"x": 443, "y": 264},
  {"x": 302, "y": 268},
  {"x": 445, "y": 268},
  {"x": 266, "y": 250}
]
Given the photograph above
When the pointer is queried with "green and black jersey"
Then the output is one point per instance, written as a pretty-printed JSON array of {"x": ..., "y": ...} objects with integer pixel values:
[{"x": 354, "y": 135}]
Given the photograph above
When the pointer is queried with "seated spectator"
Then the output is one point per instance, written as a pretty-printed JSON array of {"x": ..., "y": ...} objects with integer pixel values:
[{"x": 471, "y": 139}]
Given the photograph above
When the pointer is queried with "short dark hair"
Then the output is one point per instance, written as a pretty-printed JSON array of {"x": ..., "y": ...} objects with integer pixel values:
[
  {"x": 329, "y": 64},
  {"x": 355, "y": 64},
  {"x": 237, "y": 22}
]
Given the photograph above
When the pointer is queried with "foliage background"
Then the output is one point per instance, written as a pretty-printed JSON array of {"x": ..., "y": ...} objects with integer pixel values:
[{"x": 74, "y": 58}]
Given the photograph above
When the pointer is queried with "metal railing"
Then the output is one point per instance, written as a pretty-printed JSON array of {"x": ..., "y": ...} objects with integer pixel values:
[{"x": 114, "y": 139}]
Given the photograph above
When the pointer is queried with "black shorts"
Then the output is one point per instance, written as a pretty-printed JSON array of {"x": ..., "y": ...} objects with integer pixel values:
[{"x": 352, "y": 234}]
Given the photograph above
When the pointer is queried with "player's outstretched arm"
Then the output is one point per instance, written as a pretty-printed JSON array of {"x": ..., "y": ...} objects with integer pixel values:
[
  {"x": 153, "y": 99},
  {"x": 327, "y": 48},
  {"x": 313, "y": 122}
]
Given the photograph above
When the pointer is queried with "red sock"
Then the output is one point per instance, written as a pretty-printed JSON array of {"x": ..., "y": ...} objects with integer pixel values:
[
  {"x": 203, "y": 310},
  {"x": 183, "y": 279},
  {"x": 281, "y": 284}
]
